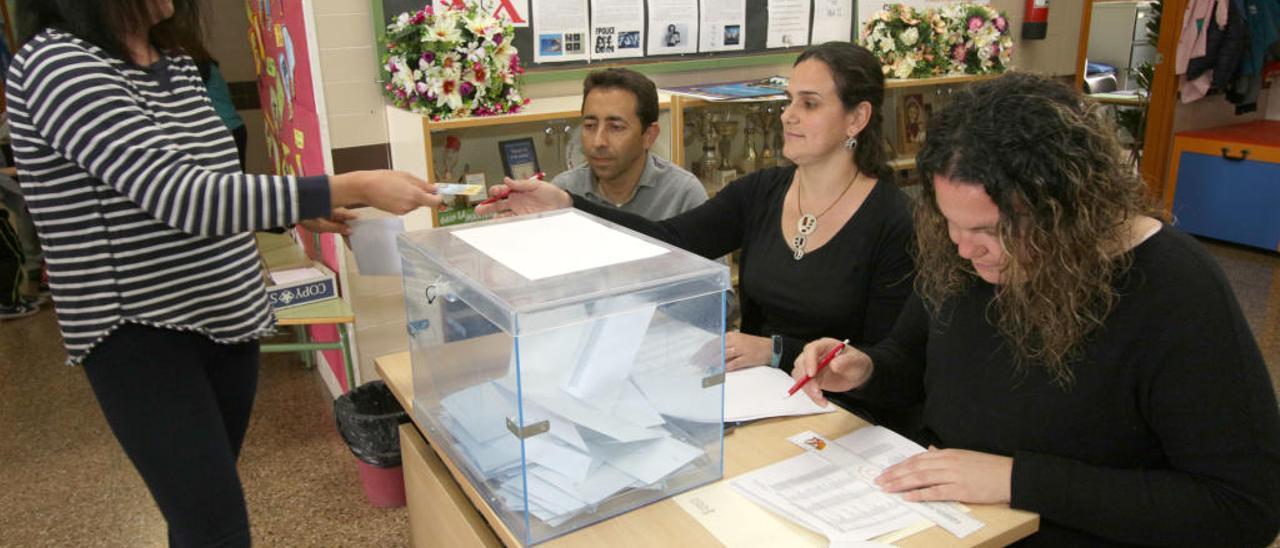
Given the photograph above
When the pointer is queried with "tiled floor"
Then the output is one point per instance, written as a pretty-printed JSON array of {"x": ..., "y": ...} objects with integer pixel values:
[{"x": 65, "y": 482}]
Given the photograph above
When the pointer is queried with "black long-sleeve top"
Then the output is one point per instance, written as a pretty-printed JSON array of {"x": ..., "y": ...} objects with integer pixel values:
[
  {"x": 1169, "y": 433},
  {"x": 852, "y": 287}
]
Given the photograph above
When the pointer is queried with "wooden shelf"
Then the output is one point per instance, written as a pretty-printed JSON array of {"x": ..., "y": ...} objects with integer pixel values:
[
  {"x": 901, "y": 83},
  {"x": 538, "y": 110},
  {"x": 903, "y": 163}
]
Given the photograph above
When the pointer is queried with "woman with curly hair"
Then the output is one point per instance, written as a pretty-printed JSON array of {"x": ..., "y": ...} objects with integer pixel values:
[{"x": 1075, "y": 356}]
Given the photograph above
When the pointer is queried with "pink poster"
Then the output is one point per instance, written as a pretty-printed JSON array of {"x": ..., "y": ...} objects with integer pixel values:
[{"x": 278, "y": 39}]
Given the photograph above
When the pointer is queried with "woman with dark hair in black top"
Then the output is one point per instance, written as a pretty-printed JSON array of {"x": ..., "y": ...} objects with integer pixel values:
[{"x": 825, "y": 243}]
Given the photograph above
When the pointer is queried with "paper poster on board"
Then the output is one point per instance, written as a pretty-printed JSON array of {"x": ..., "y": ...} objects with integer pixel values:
[
  {"x": 788, "y": 24},
  {"x": 722, "y": 25},
  {"x": 616, "y": 29},
  {"x": 560, "y": 31},
  {"x": 673, "y": 27}
]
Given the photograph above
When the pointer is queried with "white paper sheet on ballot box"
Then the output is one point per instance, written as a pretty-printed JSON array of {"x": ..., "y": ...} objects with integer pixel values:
[{"x": 557, "y": 244}]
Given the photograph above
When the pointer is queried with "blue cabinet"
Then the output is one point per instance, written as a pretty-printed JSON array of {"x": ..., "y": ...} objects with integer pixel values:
[{"x": 1228, "y": 184}]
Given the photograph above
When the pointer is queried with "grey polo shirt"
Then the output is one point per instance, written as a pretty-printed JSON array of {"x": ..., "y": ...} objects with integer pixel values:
[{"x": 664, "y": 190}]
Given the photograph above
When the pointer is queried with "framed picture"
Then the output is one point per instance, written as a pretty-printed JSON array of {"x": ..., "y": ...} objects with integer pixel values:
[
  {"x": 912, "y": 115},
  {"x": 519, "y": 158}
]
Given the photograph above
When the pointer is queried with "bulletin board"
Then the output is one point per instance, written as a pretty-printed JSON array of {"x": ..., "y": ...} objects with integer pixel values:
[
  {"x": 281, "y": 57},
  {"x": 756, "y": 23}
]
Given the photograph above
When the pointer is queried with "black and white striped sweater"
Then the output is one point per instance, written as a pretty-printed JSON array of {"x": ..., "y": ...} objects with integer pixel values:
[{"x": 135, "y": 190}]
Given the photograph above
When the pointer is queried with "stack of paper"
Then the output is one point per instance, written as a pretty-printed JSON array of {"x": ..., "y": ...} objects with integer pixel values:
[
  {"x": 605, "y": 434},
  {"x": 829, "y": 491}
]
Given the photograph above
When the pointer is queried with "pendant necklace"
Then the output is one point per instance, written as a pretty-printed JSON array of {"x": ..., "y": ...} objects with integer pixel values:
[{"x": 808, "y": 223}]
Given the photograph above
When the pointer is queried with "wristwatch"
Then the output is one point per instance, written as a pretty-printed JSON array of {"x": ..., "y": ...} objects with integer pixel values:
[{"x": 776, "y": 359}]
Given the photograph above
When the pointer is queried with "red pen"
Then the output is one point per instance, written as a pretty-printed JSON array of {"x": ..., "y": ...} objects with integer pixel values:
[
  {"x": 493, "y": 199},
  {"x": 825, "y": 360}
]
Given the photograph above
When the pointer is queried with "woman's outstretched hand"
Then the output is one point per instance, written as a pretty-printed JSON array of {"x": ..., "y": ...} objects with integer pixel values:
[
  {"x": 391, "y": 191},
  {"x": 522, "y": 197}
]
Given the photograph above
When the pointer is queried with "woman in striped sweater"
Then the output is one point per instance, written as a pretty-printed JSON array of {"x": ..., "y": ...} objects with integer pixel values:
[{"x": 146, "y": 220}]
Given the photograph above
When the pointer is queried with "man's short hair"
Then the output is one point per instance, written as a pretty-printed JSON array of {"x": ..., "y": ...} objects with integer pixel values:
[{"x": 641, "y": 87}]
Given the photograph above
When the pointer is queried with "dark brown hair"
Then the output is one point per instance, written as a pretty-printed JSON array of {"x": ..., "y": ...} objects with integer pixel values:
[
  {"x": 638, "y": 84},
  {"x": 859, "y": 77},
  {"x": 1050, "y": 161},
  {"x": 105, "y": 23}
]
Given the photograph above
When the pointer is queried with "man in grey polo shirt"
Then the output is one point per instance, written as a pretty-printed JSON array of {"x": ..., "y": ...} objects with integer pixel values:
[{"x": 619, "y": 125}]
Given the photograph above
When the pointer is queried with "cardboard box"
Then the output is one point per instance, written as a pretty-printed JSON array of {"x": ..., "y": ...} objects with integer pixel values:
[{"x": 299, "y": 286}]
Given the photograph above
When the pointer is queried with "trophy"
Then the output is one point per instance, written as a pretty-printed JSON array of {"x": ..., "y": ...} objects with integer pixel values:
[
  {"x": 725, "y": 172},
  {"x": 452, "y": 149},
  {"x": 769, "y": 119}
]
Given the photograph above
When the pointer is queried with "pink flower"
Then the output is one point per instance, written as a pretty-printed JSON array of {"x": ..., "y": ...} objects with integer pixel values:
[
  {"x": 959, "y": 52},
  {"x": 497, "y": 38},
  {"x": 418, "y": 18},
  {"x": 422, "y": 88},
  {"x": 467, "y": 89},
  {"x": 428, "y": 57},
  {"x": 392, "y": 68},
  {"x": 1001, "y": 23},
  {"x": 480, "y": 73},
  {"x": 975, "y": 23}
]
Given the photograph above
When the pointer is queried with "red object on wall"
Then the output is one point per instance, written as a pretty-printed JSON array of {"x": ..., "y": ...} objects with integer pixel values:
[{"x": 1035, "y": 24}]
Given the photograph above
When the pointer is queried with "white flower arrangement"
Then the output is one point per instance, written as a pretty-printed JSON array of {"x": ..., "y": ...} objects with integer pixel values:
[
  {"x": 453, "y": 63},
  {"x": 959, "y": 38}
]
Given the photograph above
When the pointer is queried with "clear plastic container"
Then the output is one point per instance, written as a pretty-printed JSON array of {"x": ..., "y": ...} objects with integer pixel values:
[{"x": 567, "y": 393}]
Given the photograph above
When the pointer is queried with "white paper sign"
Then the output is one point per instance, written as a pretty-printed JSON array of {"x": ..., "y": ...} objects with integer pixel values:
[
  {"x": 556, "y": 245},
  {"x": 788, "y": 24},
  {"x": 832, "y": 20},
  {"x": 560, "y": 31},
  {"x": 673, "y": 26},
  {"x": 723, "y": 25},
  {"x": 616, "y": 29}
]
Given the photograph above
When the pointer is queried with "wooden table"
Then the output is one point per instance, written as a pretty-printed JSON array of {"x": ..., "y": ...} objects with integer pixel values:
[{"x": 445, "y": 510}]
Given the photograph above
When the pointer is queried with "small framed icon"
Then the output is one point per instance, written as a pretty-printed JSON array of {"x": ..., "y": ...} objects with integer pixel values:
[{"x": 519, "y": 158}]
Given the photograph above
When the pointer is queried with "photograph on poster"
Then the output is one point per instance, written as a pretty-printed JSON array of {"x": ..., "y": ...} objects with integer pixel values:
[
  {"x": 629, "y": 40},
  {"x": 519, "y": 158},
  {"x": 675, "y": 34},
  {"x": 550, "y": 44},
  {"x": 732, "y": 34},
  {"x": 573, "y": 43},
  {"x": 912, "y": 115}
]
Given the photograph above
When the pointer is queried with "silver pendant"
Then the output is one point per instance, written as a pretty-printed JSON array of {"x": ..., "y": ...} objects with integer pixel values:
[
  {"x": 807, "y": 224},
  {"x": 798, "y": 242}
]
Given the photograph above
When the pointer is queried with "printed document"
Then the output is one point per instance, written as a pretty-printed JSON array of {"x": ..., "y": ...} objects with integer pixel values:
[{"x": 827, "y": 490}]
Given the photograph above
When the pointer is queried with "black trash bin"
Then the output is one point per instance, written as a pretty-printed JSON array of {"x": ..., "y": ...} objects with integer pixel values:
[{"x": 368, "y": 419}]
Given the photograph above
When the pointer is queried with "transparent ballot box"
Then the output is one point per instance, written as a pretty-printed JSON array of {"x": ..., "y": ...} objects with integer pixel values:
[{"x": 573, "y": 369}]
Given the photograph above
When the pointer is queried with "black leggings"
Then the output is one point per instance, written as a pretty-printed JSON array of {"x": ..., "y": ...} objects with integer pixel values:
[{"x": 179, "y": 404}]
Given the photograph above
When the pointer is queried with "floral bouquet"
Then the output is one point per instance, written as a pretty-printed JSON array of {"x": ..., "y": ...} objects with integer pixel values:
[
  {"x": 981, "y": 42},
  {"x": 906, "y": 41},
  {"x": 453, "y": 63},
  {"x": 959, "y": 38}
]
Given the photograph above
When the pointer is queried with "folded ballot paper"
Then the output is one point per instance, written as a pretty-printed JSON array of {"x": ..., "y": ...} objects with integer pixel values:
[
  {"x": 830, "y": 489},
  {"x": 611, "y": 425}
]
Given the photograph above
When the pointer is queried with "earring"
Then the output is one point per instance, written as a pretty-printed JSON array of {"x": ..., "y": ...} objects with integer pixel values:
[{"x": 851, "y": 143}]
